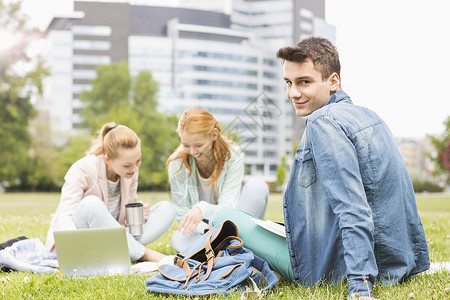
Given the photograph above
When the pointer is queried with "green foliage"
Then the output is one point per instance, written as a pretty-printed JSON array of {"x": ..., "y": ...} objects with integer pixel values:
[
  {"x": 75, "y": 149},
  {"x": 20, "y": 79},
  {"x": 17, "y": 85},
  {"x": 110, "y": 89},
  {"x": 281, "y": 174},
  {"x": 294, "y": 148},
  {"x": 42, "y": 171},
  {"x": 421, "y": 185},
  {"x": 34, "y": 221},
  {"x": 441, "y": 158},
  {"x": 117, "y": 97},
  {"x": 144, "y": 91}
]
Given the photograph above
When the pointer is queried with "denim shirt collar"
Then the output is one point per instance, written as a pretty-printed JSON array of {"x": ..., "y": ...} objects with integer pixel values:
[{"x": 339, "y": 96}]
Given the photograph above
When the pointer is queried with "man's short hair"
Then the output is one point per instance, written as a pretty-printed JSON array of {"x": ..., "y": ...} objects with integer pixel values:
[{"x": 319, "y": 50}]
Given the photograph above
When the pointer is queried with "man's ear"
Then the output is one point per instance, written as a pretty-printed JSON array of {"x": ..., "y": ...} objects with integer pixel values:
[{"x": 335, "y": 82}]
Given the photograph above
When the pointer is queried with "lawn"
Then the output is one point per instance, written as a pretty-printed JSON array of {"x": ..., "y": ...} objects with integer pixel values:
[{"x": 29, "y": 214}]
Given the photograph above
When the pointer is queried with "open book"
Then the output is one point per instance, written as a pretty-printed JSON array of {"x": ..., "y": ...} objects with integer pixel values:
[{"x": 277, "y": 228}]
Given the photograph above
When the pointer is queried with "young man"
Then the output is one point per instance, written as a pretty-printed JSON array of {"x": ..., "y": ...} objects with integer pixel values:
[{"x": 349, "y": 206}]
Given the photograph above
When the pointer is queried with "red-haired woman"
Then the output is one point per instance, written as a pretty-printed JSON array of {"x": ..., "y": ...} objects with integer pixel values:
[{"x": 206, "y": 173}]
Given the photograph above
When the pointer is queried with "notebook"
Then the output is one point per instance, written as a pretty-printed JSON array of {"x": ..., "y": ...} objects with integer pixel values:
[
  {"x": 275, "y": 227},
  {"x": 91, "y": 252}
]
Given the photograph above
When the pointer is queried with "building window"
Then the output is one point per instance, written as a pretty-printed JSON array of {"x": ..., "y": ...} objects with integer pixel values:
[
  {"x": 242, "y": 85},
  {"x": 92, "y": 45},
  {"x": 306, "y": 26},
  {"x": 234, "y": 57},
  {"x": 84, "y": 74},
  {"x": 91, "y": 59},
  {"x": 247, "y": 169},
  {"x": 91, "y": 30},
  {"x": 269, "y": 153},
  {"x": 268, "y": 74},
  {"x": 219, "y": 70},
  {"x": 269, "y": 140},
  {"x": 273, "y": 169},
  {"x": 269, "y": 88},
  {"x": 306, "y": 13},
  {"x": 77, "y": 111},
  {"x": 250, "y": 153},
  {"x": 78, "y": 88},
  {"x": 269, "y": 62}
]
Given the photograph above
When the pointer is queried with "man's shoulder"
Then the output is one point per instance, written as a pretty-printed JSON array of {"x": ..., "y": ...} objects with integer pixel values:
[
  {"x": 343, "y": 112},
  {"x": 346, "y": 116}
]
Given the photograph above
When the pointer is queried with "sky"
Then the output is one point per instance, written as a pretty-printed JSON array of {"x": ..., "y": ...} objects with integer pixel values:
[{"x": 395, "y": 57}]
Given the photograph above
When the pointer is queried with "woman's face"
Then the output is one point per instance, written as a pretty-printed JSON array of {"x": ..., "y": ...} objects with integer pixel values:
[
  {"x": 199, "y": 145},
  {"x": 127, "y": 163}
]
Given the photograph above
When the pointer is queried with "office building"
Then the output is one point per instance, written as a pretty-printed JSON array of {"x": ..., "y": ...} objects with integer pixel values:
[{"x": 222, "y": 62}]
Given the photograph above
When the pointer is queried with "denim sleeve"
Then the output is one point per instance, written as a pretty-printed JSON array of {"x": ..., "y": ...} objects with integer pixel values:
[{"x": 336, "y": 160}]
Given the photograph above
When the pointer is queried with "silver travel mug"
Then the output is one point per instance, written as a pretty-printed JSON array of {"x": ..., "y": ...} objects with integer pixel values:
[{"x": 135, "y": 218}]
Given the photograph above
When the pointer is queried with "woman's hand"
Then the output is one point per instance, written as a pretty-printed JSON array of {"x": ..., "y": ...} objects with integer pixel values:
[
  {"x": 190, "y": 220},
  {"x": 146, "y": 210}
]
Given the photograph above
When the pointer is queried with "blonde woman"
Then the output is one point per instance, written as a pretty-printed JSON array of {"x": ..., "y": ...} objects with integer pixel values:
[
  {"x": 98, "y": 186},
  {"x": 206, "y": 173}
]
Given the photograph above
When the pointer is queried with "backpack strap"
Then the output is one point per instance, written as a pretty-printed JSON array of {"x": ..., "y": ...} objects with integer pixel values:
[
  {"x": 263, "y": 267},
  {"x": 180, "y": 262},
  {"x": 210, "y": 255},
  {"x": 192, "y": 274}
]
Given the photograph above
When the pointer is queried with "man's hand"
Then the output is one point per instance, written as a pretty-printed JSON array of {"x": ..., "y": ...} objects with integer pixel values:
[{"x": 190, "y": 220}]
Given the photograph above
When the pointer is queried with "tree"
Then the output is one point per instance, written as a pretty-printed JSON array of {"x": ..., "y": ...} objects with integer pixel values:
[
  {"x": 21, "y": 76},
  {"x": 281, "y": 174},
  {"x": 116, "y": 96},
  {"x": 442, "y": 157}
]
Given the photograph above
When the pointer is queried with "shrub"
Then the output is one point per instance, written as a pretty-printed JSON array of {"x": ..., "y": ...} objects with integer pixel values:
[{"x": 423, "y": 185}]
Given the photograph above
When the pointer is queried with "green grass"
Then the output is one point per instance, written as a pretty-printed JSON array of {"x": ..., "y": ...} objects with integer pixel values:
[{"x": 29, "y": 214}]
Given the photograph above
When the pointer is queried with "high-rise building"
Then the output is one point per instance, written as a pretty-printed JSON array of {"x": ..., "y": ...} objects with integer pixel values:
[
  {"x": 224, "y": 63},
  {"x": 283, "y": 22}
]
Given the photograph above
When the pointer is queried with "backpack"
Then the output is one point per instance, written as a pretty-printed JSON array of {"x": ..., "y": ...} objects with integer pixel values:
[{"x": 216, "y": 263}]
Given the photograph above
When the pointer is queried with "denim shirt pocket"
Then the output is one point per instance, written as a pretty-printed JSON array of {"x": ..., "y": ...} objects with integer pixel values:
[{"x": 306, "y": 168}]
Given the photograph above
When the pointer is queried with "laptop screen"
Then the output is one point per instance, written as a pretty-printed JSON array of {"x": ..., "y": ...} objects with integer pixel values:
[{"x": 90, "y": 252}]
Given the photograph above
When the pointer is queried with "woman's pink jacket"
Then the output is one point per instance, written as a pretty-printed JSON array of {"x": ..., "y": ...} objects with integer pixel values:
[{"x": 87, "y": 177}]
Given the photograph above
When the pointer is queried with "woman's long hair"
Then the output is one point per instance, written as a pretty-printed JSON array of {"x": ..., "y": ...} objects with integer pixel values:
[
  {"x": 194, "y": 121},
  {"x": 111, "y": 138}
]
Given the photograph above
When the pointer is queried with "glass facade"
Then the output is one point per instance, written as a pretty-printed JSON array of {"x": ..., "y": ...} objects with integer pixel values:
[
  {"x": 228, "y": 68},
  {"x": 235, "y": 82}
]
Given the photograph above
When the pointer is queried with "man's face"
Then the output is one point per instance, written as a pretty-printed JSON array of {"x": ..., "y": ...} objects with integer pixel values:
[{"x": 305, "y": 88}]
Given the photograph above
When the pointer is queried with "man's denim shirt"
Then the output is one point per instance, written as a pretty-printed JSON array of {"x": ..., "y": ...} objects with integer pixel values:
[{"x": 349, "y": 207}]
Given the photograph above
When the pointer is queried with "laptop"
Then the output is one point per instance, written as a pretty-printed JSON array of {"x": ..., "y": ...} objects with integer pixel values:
[{"x": 91, "y": 252}]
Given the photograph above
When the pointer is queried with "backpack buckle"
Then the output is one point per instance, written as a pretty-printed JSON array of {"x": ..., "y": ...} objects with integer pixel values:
[
  {"x": 176, "y": 258},
  {"x": 208, "y": 254}
]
